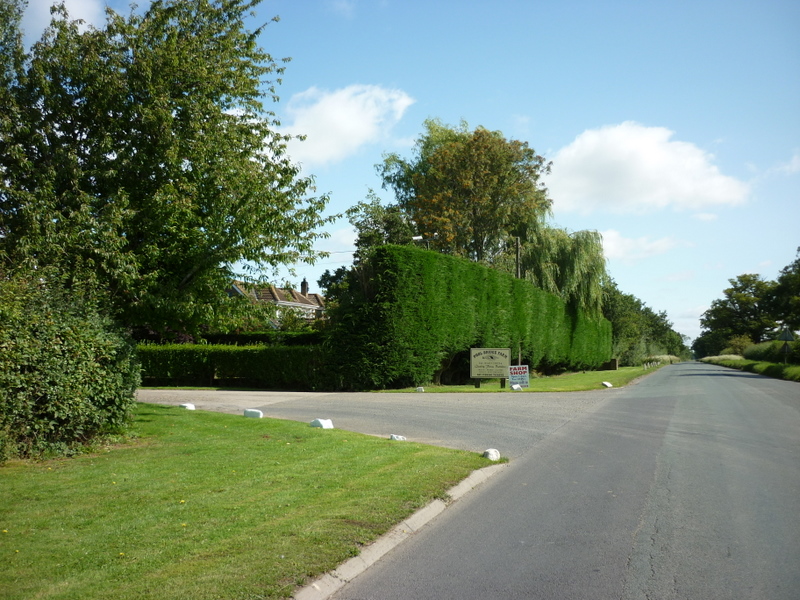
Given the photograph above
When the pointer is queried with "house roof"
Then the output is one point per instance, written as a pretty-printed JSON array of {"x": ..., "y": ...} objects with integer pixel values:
[{"x": 278, "y": 295}]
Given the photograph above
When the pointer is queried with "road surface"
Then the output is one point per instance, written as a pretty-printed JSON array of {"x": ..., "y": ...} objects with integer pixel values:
[{"x": 685, "y": 485}]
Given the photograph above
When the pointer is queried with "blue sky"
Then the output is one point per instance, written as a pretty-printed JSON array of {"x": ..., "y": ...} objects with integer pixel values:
[{"x": 673, "y": 127}]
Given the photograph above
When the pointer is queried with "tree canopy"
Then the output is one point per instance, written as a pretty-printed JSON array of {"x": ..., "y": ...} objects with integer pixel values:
[
  {"x": 476, "y": 194},
  {"x": 475, "y": 190},
  {"x": 752, "y": 310},
  {"x": 139, "y": 156}
]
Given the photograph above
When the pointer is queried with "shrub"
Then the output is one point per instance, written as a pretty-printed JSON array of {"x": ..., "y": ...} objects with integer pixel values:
[
  {"x": 67, "y": 372},
  {"x": 773, "y": 352}
]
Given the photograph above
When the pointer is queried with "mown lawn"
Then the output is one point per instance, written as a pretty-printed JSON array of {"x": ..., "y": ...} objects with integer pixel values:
[{"x": 205, "y": 505}]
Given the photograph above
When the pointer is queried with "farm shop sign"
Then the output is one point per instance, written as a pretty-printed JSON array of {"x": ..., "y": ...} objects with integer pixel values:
[{"x": 489, "y": 363}]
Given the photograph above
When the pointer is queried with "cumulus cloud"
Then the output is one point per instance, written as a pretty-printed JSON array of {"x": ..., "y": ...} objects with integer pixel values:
[
  {"x": 631, "y": 168},
  {"x": 337, "y": 123},
  {"x": 630, "y": 250}
]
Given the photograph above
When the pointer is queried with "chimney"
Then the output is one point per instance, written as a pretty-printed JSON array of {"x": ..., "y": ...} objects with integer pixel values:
[{"x": 304, "y": 288}]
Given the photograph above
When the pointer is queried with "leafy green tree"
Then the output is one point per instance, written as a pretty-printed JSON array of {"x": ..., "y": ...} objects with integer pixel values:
[
  {"x": 475, "y": 190},
  {"x": 476, "y": 194},
  {"x": 785, "y": 296},
  {"x": 378, "y": 225},
  {"x": 744, "y": 310},
  {"x": 141, "y": 157},
  {"x": 571, "y": 265},
  {"x": 637, "y": 330}
]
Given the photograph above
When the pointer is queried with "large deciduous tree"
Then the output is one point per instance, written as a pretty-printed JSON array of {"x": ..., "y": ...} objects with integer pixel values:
[
  {"x": 141, "y": 157},
  {"x": 476, "y": 194},
  {"x": 743, "y": 311},
  {"x": 475, "y": 190}
]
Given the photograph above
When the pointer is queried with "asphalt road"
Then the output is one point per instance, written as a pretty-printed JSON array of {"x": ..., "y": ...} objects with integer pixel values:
[{"x": 685, "y": 485}]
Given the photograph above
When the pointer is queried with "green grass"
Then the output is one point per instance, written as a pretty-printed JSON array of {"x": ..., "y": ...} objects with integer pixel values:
[
  {"x": 775, "y": 370},
  {"x": 205, "y": 505},
  {"x": 569, "y": 382}
]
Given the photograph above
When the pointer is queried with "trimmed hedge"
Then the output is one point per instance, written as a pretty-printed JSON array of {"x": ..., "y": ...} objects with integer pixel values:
[
  {"x": 409, "y": 315},
  {"x": 264, "y": 367},
  {"x": 67, "y": 372}
]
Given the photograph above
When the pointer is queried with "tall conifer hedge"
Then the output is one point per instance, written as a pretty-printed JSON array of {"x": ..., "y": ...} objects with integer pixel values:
[{"x": 408, "y": 313}]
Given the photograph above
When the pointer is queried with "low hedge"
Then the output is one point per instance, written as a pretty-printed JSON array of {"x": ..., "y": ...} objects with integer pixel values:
[
  {"x": 205, "y": 365},
  {"x": 773, "y": 352},
  {"x": 769, "y": 369}
]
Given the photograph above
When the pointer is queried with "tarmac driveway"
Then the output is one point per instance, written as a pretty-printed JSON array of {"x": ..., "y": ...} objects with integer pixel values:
[{"x": 512, "y": 422}]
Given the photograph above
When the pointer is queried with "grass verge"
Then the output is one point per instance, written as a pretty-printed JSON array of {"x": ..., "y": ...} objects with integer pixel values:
[
  {"x": 775, "y": 370},
  {"x": 206, "y": 505},
  {"x": 568, "y": 382}
]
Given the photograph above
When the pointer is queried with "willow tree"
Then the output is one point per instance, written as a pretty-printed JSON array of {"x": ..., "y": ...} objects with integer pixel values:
[
  {"x": 569, "y": 264},
  {"x": 142, "y": 159}
]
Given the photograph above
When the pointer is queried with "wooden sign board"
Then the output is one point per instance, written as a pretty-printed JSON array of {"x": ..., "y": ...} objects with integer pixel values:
[{"x": 489, "y": 363}]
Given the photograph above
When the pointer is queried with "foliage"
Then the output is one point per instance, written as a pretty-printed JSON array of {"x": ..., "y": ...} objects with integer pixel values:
[
  {"x": 638, "y": 331},
  {"x": 267, "y": 338},
  {"x": 474, "y": 189},
  {"x": 479, "y": 195},
  {"x": 773, "y": 352},
  {"x": 410, "y": 315},
  {"x": 769, "y": 369},
  {"x": 139, "y": 156},
  {"x": 206, "y": 365},
  {"x": 377, "y": 225},
  {"x": 745, "y": 310},
  {"x": 738, "y": 344},
  {"x": 181, "y": 514},
  {"x": 570, "y": 265},
  {"x": 67, "y": 373},
  {"x": 785, "y": 297}
]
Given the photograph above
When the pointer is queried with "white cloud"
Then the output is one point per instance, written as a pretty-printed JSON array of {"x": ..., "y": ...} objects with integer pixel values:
[
  {"x": 630, "y": 250},
  {"x": 337, "y": 123},
  {"x": 630, "y": 168},
  {"x": 37, "y": 15},
  {"x": 791, "y": 167}
]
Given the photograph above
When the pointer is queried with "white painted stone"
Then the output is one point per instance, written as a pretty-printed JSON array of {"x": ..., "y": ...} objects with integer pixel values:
[
  {"x": 420, "y": 389},
  {"x": 516, "y": 387},
  {"x": 492, "y": 454},
  {"x": 605, "y": 383},
  {"x": 253, "y": 413},
  {"x": 397, "y": 438},
  {"x": 188, "y": 406},
  {"x": 323, "y": 423}
]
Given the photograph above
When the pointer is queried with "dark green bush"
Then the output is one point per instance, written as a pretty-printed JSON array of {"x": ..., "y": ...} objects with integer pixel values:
[
  {"x": 264, "y": 367},
  {"x": 67, "y": 372},
  {"x": 408, "y": 315},
  {"x": 267, "y": 338}
]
